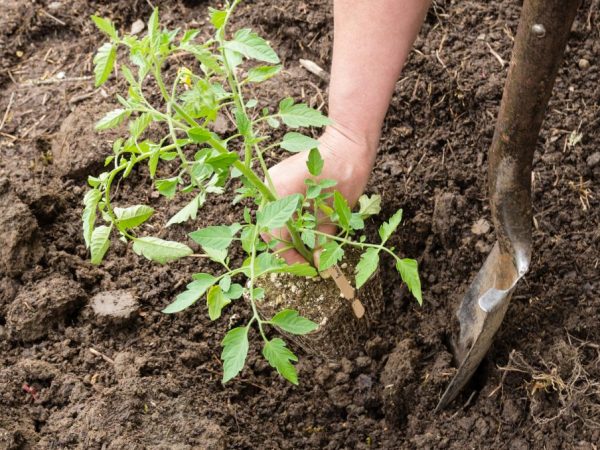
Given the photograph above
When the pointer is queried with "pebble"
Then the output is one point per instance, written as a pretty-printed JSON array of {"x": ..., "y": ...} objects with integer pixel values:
[
  {"x": 583, "y": 64},
  {"x": 482, "y": 226},
  {"x": 137, "y": 27},
  {"x": 593, "y": 159}
]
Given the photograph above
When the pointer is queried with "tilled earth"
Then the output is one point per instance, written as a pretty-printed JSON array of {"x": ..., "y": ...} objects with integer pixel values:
[{"x": 69, "y": 379}]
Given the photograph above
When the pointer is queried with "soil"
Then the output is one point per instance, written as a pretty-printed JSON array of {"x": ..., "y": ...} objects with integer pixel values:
[{"x": 68, "y": 380}]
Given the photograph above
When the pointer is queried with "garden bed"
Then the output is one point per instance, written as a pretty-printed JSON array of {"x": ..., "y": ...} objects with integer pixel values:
[{"x": 71, "y": 380}]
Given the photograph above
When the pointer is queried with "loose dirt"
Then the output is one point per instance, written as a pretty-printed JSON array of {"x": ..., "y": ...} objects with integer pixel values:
[{"x": 69, "y": 380}]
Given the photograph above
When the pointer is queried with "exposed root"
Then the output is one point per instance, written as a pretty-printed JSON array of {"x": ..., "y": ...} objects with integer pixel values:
[{"x": 566, "y": 384}]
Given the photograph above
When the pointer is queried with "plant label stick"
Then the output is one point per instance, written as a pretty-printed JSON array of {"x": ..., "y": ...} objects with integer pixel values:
[{"x": 346, "y": 289}]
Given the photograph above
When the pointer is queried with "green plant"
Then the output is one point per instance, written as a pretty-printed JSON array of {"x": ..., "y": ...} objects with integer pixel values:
[{"x": 202, "y": 164}]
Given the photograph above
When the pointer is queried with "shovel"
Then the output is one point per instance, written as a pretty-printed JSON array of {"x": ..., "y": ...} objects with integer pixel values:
[{"x": 539, "y": 45}]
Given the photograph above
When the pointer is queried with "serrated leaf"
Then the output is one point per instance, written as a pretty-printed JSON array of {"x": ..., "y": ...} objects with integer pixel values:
[
  {"x": 159, "y": 250},
  {"x": 356, "y": 222},
  {"x": 331, "y": 254},
  {"x": 104, "y": 61},
  {"x": 217, "y": 17},
  {"x": 309, "y": 238},
  {"x": 111, "y": 119},
  {"x": 189, "y": 211},
  {"x": 139, "y": 125},
  {"x": 106, "y": 26},
  {"x": 387, "y": 228},
  {"x": 300, "y": 115},
  {"x": 199, "y": 135},
  {"x": 132, "y": 216},
  {"x": 262, "y": 73},
  {"x": 369, "y": 206},
  {"x": 315, "y": 163},
  {"x": 290, "y": 321},
  {"x": 167, "y": 187},
  {"x": 340, "y": 206},
  {"x": 369, "y": 261},
  {"x": 235, "y": 350},
  {"x": 216, "y": 237},
  {"x": 216, "y": 301},
  {"x": 91, "y": 199},
  {"x": 99, "y": 243},
  {"x": 277, "y": 213},
  {"x": 193, "y": 292},
  {"x": 252, "y": 46},
  {"x": 409, "y": 271},
  {"x": 222, "y": 161},
  {"x": 298, "y": 142},
  {"x": 280, "y": 357}
]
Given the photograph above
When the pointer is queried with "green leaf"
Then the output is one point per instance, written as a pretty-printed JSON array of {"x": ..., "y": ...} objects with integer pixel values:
[
  {"x": 193, "y": 292},
  {"x": 132, "y": 216},
  {"x": 91, "y": 199},
  {"x": 222, "y": 161},
  {"x": 106, "y": 26},
  {"x": 104, "y": 61},
  {"x": 277, "y": 213},
  {"x": 280, "y": 357},
  {"x": 111, "y": 119},
  {"x": 387, "y": 228},
  {"x": 314, "y": 162},
  {"x": 167, "y": 187},
  {"x": 309, "y": 238},
  {"x": 217, "y": 237},
  {"x": 369, "y": 206},
  {"x": 357, "y": 222},
  {"x": 340, "y": 205},
  {"x": 189, "y": 211},
  {"x": 262, "y": 73},
  {"x": 297, "y": 142},
  {"x": 252, "y": 46},
  {"x": 331, "y": 254},
  {"x": 409, "y": 271},
  {"x": 300, "y": 115},
  {"x": 153, "y": 30},
  {"x": 235, "y": 350},
  {"x": 217, "y": 17},
  {"x": 234, "y": 292},
  {"x": 99, "y": 243},
  {"x": 369, "y": 261},
  {"x": 199, "y": 135},
  {"x": 139, "y": 125},
  {"x": 216, "y": 301},
  {"x": 298, "y": 269},
  {"x": 290, "y": 321},
  {"x": 159, "y": 250}
]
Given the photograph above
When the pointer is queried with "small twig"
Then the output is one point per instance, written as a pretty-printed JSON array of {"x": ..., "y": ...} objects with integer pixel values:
[
  {"x": 37, "y": 122},
  {"x": 54, "y": 81},
  {"x": 315, "y": 69},
  {"x": 10, "y": 102},
  {"x": 496, "y": 55},
  {"x": 56, "y": 19},
  {"x": 79, "y": 97},
  {"x": 95, "y": 352}
]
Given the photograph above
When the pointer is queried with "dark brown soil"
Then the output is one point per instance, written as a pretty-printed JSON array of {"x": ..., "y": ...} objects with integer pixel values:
[{"x": 153, "y": 381}]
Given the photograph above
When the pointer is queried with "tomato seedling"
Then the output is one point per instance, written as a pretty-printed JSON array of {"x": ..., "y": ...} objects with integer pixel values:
[{"x": 202, "y": 162}]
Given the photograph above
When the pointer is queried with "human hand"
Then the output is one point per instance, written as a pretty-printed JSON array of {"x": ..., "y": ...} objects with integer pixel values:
[{"x": 348, "y": 160}]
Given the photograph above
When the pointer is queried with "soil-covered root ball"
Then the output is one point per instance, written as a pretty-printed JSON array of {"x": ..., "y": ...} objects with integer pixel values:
[{"x": 320, "y": 300}]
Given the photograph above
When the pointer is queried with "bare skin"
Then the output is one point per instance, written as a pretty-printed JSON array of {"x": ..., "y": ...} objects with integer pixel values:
[{"x": 372, "y": 39}]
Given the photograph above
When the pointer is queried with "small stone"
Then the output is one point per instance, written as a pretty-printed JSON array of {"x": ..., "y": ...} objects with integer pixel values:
[
  {"x": 482, "y": 226},
  {"x": 137, "y": 27},
  {"x": 117, "y": 304},
  {"x": 481, "y": 37},
  {"x": 54, "y": 6},
  {"x": 482, "y": 247},
  {"x": 583, "y": 64},
  {"x": 593, "y": 159}
]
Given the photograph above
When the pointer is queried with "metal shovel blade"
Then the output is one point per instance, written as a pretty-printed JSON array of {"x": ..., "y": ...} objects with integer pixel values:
[{"x": 481, "y": 314}]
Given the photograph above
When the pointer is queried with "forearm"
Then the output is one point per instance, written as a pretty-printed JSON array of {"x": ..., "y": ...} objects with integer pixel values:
[{"x": 372, "y": 39}]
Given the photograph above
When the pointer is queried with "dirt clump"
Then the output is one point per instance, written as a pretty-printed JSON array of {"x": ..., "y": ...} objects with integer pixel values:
[{"x": 40, "y": 307}]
